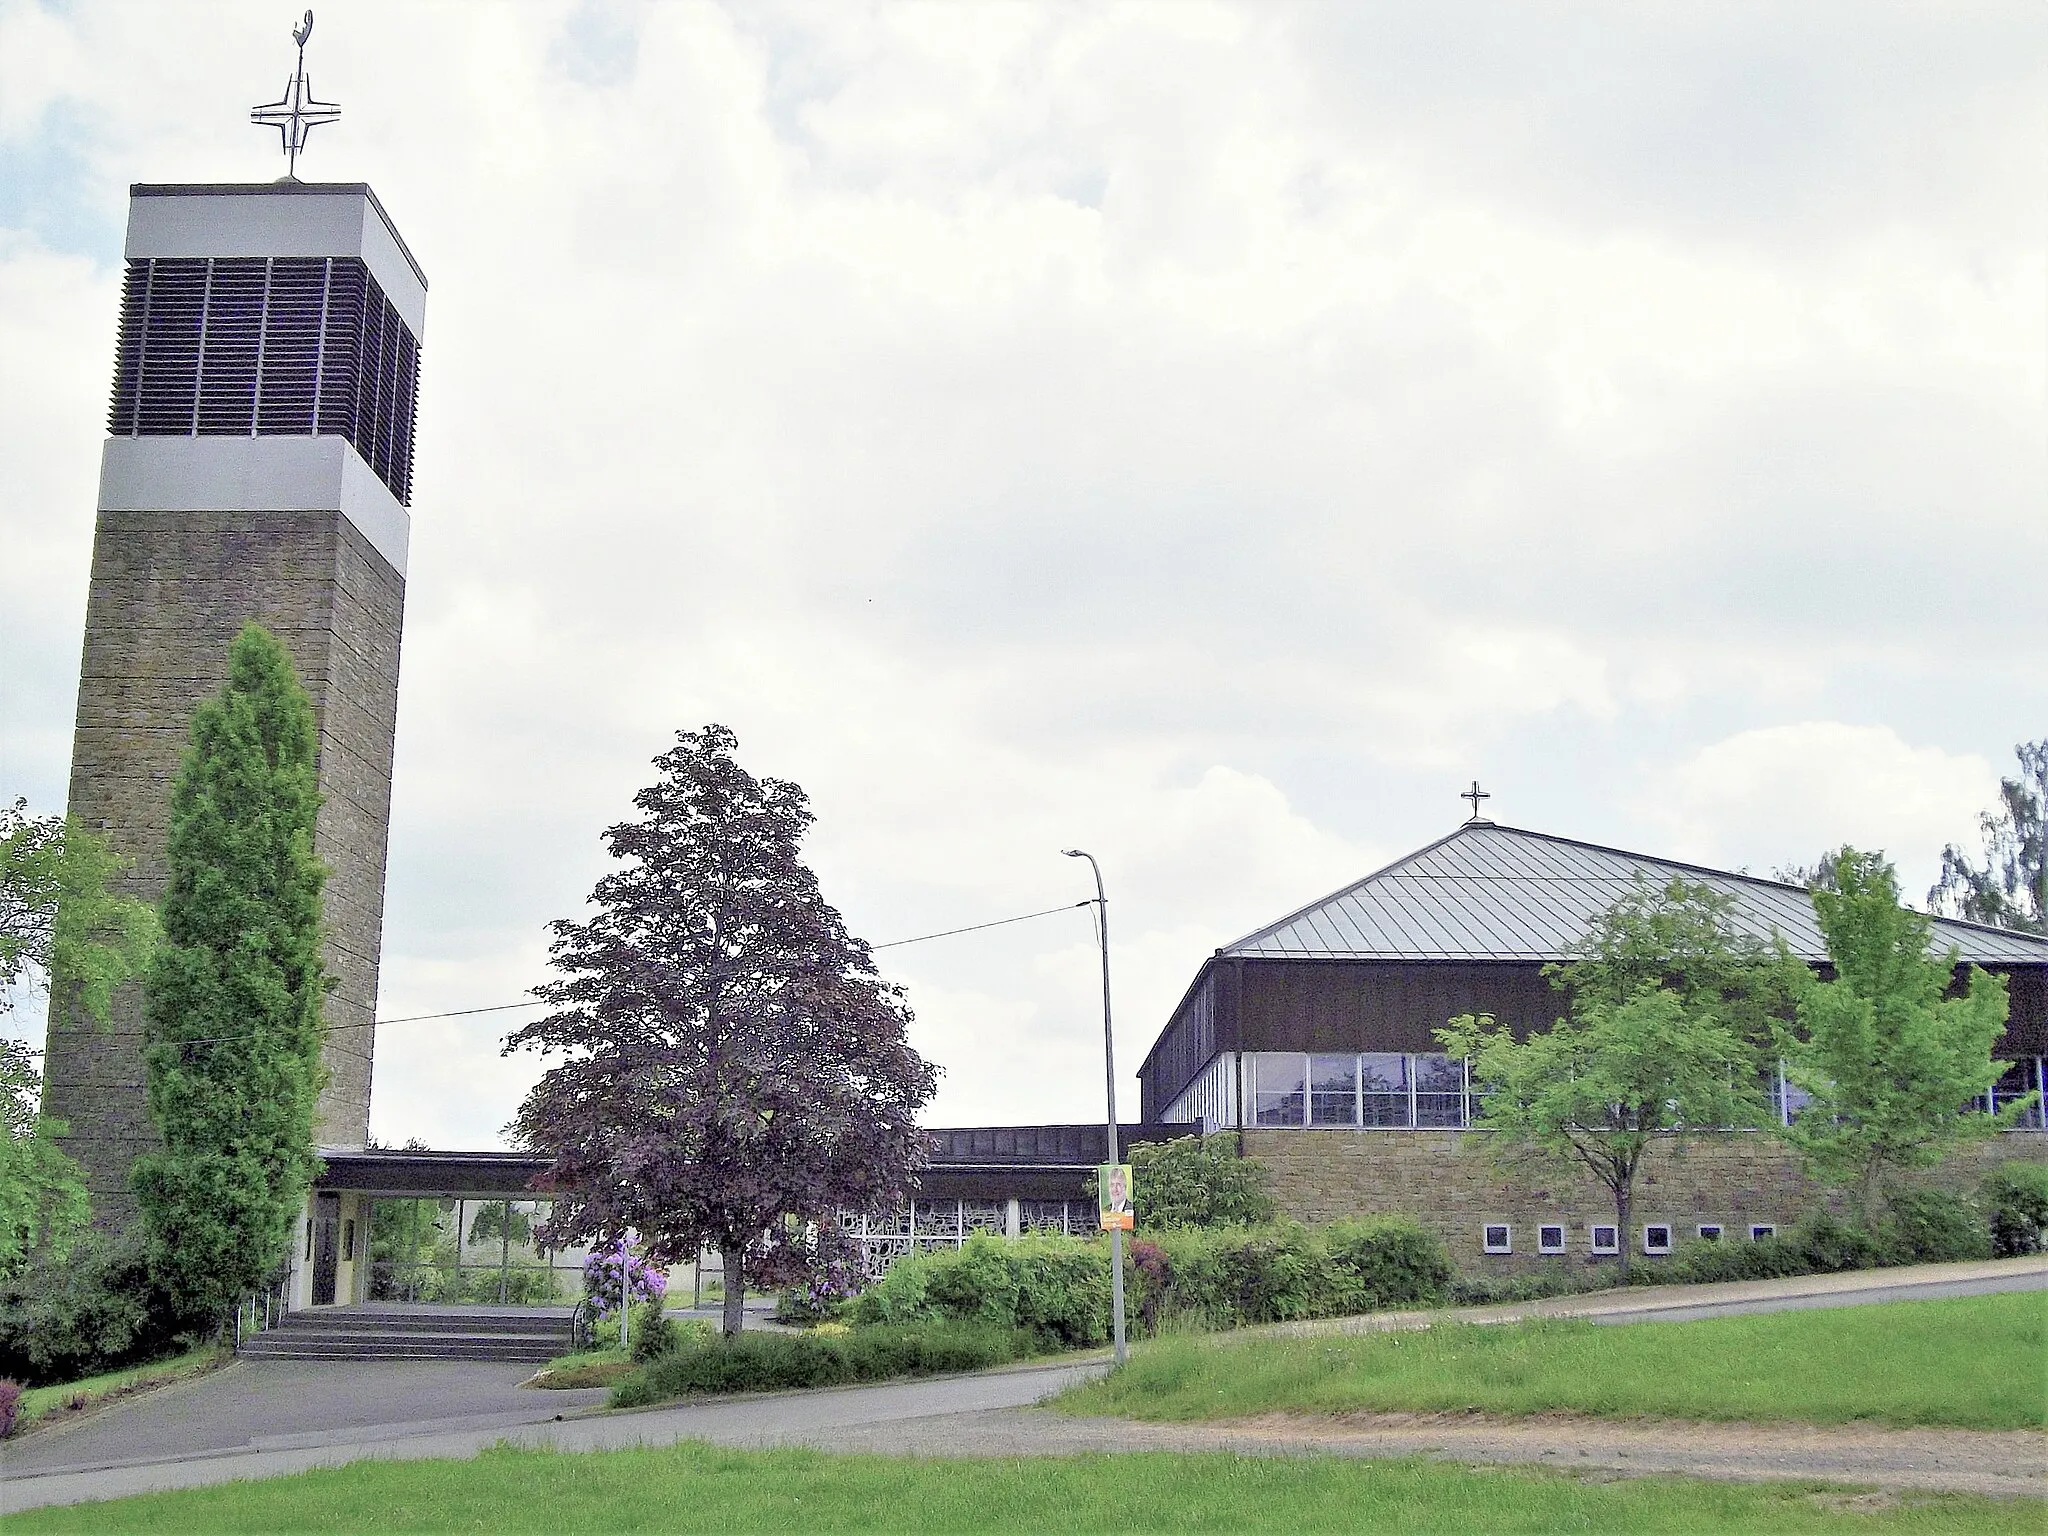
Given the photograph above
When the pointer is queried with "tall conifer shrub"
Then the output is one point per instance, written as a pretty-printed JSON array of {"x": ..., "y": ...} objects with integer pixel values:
[{"x": 235, "y": 990}]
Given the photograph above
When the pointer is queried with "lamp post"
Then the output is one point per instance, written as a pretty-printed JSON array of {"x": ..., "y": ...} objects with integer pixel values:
[{"x": 1116, "y": 1233}]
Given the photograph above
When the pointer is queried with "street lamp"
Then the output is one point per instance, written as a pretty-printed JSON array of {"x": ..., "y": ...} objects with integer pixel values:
[{"x": 1116, "y": 1233}]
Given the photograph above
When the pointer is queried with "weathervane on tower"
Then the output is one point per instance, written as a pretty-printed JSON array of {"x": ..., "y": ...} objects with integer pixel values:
[{"x": 297, "y": 113}]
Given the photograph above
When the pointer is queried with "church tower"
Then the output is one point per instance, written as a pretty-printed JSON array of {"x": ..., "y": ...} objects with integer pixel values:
[{"x": 258, "y": 465}]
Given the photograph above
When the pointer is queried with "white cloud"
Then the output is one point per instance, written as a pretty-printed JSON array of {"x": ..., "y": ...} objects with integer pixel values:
[
  {"x": 1784, "y": 795},
  {"x": 1205, "y": 433}
]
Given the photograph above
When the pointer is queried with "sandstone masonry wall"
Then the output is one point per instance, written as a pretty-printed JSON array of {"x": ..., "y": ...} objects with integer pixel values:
[
  {"x": 1449, "y": 1181},
  {"x": 169, "y": 592}
]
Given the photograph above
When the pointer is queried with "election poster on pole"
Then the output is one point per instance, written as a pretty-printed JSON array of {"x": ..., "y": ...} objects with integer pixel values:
[{"x": 1113, "y": 1196}]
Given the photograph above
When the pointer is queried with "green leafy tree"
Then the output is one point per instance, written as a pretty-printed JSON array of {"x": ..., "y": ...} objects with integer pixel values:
[
  {"x": 1889, "y": 1059},
  {"x": 1656, "y": 1046},
  {"x": 1199, "y": 1181},
  {"x": 736, "y": 1073},
  {"x": 1684, "y": 938},
  {"x": 43, "y": 1205},
  {"x": 61, "y": 926},
  {"x": 60, "y": 918},
  {"x": 2010, "y": 888},
  {"x": 234, "y": 994}
]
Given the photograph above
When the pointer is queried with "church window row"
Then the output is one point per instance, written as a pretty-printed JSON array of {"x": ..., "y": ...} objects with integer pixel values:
[
  {"x": 1395, "y": 1090},
  {"x": 1657, "y": 1238},
  {"x": 267, "y": 346}
]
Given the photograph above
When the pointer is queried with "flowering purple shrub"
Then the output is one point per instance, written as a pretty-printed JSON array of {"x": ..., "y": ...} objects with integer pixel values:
[
  {"x": 10, "y": 1401},
  {"x": 834, "y": 1280},
  {"x": 610, "y": 1272}
]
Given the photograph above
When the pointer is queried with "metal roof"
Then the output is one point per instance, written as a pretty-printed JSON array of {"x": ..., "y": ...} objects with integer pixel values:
[{"x": 1489, "y": 892}]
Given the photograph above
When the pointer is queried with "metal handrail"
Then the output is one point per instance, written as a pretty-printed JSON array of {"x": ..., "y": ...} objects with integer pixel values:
[{"x": 263, "y": 1310}]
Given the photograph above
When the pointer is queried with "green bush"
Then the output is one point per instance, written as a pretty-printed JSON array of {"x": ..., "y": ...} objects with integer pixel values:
[
  {"x": 773, "y": 1362},
  {"x": 1830, "y": 1245},
  {"x": 1929, "y": 1226},
  {"x": 1923, "y": 1226},
  {"x": 1767, "y": 1258},
  {"x": 1056, "y": 1287},
  {"x": 655, "y": 1334},
  {"x": 1230, "y": 1277},
  {"x": 2016, "y": 1197},
  {"x": 1198, "y": 1181},
  {"x": 1387, "y": 1261},
  {"x": 98, "y": 1311}
]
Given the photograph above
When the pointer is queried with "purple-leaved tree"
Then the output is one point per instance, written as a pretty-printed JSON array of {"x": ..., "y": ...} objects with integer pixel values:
[{"x": 736, "y": 1073}]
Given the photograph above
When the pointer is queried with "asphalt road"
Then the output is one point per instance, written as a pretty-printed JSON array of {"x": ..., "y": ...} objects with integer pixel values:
[{"x": 269, "y": 1418}]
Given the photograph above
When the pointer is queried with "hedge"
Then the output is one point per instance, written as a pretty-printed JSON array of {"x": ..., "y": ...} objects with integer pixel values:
[
  {"x": 1920, "y": 1226},
  {"x": 2016, "y": 1199},
  {"x": 1058, "y": 1288},
  {"x": 771, "y": 1362}
]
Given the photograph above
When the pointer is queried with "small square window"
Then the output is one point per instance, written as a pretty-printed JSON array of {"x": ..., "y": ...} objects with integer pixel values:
[
  {"x": 1606, "y": 1240},
  {"x": 1657, "y": 1238},
  {"x": 1760, "y": 1230},
  {"x": 1550, "y": 1239},
  {"x": 1499, "y": 1239},
  {"x": 1710, "y": 1231}
]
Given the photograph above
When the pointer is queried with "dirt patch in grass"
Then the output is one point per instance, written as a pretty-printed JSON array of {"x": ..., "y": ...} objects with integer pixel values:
[{"x": 2000, "y": 1462}]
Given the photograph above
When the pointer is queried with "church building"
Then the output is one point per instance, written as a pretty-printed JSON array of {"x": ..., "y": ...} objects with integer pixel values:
[{"x": 1312, "y": 1040}]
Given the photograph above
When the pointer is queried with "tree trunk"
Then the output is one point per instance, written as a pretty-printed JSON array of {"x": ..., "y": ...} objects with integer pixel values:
[
  {"x": 1623, "y": 1202},
  {"x": 733, "y": 1262},
  {"x": 1866, "y": 1195}
]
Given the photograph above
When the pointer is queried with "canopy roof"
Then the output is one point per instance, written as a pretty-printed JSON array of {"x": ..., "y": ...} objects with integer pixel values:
[{"x": 1489, "y": 892}]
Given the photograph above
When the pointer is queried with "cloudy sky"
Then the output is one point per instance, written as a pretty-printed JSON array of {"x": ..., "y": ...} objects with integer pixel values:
[{"x": 1207, "y": 434}]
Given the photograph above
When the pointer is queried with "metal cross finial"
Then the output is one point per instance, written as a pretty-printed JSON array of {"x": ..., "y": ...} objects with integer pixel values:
[
  {"x": 296, "y": 114},
  {"x": 1475, "y": 794}
]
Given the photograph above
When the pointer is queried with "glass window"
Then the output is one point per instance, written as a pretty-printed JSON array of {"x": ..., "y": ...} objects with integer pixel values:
[
  {"x": 1439, "y": 1090},
  {"x": 1760, "y": 1230},
  {"x": 1791, "y": 1097},
  {"x": 1710, "y": 1232},
  {"x": 1499, "y": 1238},
  {"x": 1333, "y": 1090},
  {"x": 1279, "y": 1088},
  {"x": 1656, "y": 1238},
  {"x": 1384, "y": 1080},
  {"x": 1606, "y": 1240},
  {"x": 2021, "y": 1078},
  {"x": 1550, "y": 1239}
]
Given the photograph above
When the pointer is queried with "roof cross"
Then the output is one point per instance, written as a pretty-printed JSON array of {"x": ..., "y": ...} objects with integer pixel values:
[
  {"x": 1475, "y": 794},
  {"x": 296, "y": 114}
]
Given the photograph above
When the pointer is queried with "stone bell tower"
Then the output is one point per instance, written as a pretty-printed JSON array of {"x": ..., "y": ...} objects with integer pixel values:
[{"x": 258, "y": 465}]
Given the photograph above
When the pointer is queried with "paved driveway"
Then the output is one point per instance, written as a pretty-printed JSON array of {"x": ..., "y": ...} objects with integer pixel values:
[{"x": 254, "y": 1405}]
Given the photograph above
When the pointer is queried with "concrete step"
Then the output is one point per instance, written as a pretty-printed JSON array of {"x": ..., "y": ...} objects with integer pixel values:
[
  {"x": 426, "y": 1333},
  {"x": 418, "y": 1334},
  {"x": 288, "y": 1349},
  {"x": 291, "y": 1344},
  {"x": 345, "y": 1320}
]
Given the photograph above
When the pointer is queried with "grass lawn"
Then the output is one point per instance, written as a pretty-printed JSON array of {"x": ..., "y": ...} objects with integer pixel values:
[
  {"x": 43, "y": 1402},
  {"x": 698, "y": 1488},
  {"x": 1979, "y": 1362},
  {"x": 590, "y": 1368}
]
